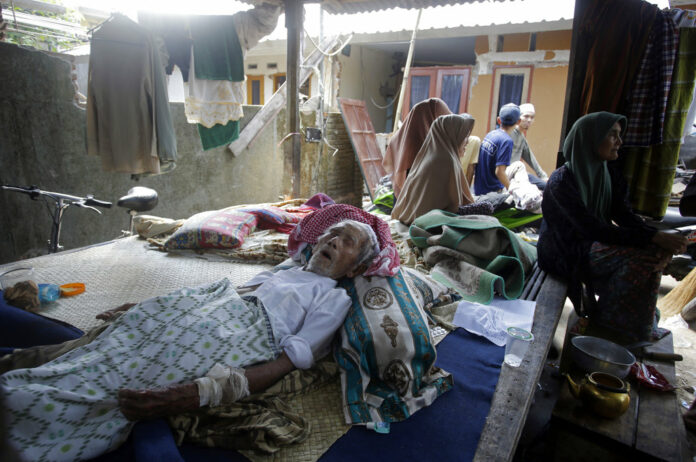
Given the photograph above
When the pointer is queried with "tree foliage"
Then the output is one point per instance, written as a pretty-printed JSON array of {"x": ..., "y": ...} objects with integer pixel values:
[{"x": 43, "y": 38}]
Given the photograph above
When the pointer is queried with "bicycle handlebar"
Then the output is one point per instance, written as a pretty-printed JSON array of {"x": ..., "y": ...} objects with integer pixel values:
[
  {"x": 35, "y": 192},
  {"x": 94, "y": 202}
]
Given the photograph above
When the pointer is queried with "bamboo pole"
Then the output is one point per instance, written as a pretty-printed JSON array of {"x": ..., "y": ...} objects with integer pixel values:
[{"x": 407, "y": 69}]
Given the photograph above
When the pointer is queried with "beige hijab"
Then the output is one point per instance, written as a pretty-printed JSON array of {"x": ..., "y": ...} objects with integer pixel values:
[
  {"x": 436, "y": 179},
  {"x": 407, "y": 141}
]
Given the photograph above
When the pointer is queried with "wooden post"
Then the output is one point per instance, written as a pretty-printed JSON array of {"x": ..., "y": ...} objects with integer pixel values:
[
  {"x": 576, "y": 74},
  {"x": 293, "y": 22},
  {"x": 407, "y": 69}
]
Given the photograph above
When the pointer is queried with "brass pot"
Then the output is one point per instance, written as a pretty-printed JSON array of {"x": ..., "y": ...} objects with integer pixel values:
[{"x": 605, "y": 394}]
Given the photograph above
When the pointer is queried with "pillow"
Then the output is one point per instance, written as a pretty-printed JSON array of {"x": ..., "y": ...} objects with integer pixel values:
[
  {"x": 385, "y": 352},
  {"x": 426, "y": 290},
  {"x": 217, "y": 229},
  {"x": 270, "y": 216}
]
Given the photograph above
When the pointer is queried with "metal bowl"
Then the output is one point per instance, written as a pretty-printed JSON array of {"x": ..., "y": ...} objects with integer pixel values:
[{"x": 593, "y": 354}]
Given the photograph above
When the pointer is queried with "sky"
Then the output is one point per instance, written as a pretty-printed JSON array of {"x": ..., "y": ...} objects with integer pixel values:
[{"x": 480, "y": 13}]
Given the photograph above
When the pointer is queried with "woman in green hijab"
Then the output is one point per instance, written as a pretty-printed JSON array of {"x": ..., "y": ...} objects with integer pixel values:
[{"x": 591, "y": 236}]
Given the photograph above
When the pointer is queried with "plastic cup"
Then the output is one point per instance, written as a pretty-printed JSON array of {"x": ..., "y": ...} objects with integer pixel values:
[
  {"x": 15, "y": 275},
  {"x": 517, "y": 344}
]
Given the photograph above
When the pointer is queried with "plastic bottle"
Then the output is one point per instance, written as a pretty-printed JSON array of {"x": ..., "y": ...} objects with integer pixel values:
[{"x": 48, "y": 293}]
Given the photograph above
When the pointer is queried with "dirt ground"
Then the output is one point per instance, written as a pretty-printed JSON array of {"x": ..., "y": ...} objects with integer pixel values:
[{"x": 685, "y": 345}]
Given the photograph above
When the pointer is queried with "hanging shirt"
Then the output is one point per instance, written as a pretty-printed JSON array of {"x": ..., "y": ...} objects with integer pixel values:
[
  {"x": 305, "y": 310},
  {"x": 128, "y": 121}
]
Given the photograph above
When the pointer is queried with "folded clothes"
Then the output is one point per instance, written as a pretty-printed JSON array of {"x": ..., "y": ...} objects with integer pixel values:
[{"x": 477, "y": 208}]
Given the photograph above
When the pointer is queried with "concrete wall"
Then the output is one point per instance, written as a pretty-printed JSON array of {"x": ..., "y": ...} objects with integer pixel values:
[
  {"x": 43, "y": 144},
  {"x": 548, "y": 96},
  {"x": 547, "y": 93},
  {"x": 479, "y": 103},
  {"x": 362, "y": 73},
  {"x": 269, "y": 53}
]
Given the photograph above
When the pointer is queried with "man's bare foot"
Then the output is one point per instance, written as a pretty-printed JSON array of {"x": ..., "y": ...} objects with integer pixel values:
[
  {"x": 152, "y": 404},
  {"x": 108, "y": 315}
]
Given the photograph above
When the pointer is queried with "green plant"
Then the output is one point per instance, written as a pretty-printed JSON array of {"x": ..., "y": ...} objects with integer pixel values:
[{"x": 44, "y": 38}]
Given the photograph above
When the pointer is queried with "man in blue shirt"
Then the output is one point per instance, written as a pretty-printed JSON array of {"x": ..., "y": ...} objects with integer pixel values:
[{"x": 495, "y": 152}]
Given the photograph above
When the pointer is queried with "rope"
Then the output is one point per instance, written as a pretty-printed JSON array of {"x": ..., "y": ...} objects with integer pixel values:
[
  {"x": 382, "y": 107},
  {"x": 285, "y": 138}
]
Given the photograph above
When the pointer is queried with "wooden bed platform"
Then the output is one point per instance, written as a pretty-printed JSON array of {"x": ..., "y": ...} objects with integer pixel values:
[
  {"x": 127, "y": 270},
  {"x": 516, "y": 385}
]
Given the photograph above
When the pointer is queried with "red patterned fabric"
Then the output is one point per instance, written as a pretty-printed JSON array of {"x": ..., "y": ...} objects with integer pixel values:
[{"x": 314, "y": 225}]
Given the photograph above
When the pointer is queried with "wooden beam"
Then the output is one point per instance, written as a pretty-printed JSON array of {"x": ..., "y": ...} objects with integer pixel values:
[
  {"x": 293, "y": 22},
  {"x": 577, "y": 65},
  {"x": 274, "y": 105},
  {"x": 516, "y": 385}
]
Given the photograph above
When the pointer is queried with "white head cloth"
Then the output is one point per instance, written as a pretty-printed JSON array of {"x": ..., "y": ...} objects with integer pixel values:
[{"x": 527, "y": 108}]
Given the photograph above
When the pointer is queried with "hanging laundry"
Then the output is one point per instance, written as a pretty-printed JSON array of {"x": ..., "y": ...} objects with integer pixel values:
[
  {"x": 209, "y": 51},
  {"x": 215, "y": 90},
  {"x": 686, "y": 18},
  {"x": 216, "y": 48},
  {"x": 648, "y": 97},
  {"x": 650, "y": 171},
  {"x": 218, "y": 134},
  {"x": 614, "y": 36},
  {"x": 216, "y": 106},
  {"x": 128, "y": 120},
  {"x": 173, "y": 29}
]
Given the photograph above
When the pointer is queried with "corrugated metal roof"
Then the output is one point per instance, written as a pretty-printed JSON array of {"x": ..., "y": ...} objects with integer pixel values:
[
  {"x": 470, "y": 19},
  {"x": 364, "y": 6}
]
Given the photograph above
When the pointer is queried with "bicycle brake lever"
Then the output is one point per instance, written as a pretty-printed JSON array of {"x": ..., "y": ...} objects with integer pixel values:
[{"x": 82, "y": 204}]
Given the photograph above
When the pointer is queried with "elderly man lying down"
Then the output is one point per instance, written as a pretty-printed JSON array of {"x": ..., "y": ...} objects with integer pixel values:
[{"x": 184, "y": 350}]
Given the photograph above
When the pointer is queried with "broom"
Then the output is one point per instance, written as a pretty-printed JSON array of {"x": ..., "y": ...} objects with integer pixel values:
[{"x": 677, "y": 298}]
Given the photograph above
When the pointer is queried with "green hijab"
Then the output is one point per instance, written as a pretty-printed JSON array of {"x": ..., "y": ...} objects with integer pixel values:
[{"x": 580, "y": 150}]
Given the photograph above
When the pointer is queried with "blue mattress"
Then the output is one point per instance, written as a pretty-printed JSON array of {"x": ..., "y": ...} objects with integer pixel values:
[{"x": 449, "y": 429}]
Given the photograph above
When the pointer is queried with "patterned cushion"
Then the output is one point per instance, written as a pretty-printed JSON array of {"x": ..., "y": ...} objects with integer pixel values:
[
  {"x": 426, "y": 290},
  {"x": 385, "y": 352},
  {"x": 271, "y": 215},
  {"x": 220, "y": 229}
]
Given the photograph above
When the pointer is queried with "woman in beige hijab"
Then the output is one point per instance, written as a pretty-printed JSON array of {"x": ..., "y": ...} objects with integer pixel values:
[
  {"x": 436, "y": 179},
  {"x": 407, "y": 141}
]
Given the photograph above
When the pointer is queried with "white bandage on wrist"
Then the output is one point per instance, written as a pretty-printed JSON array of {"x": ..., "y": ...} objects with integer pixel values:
[{"x": 222, "y": 384}]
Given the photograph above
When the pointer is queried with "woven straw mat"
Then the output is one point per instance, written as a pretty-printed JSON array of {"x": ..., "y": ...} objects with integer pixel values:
[{"x": 123, "y": 271}]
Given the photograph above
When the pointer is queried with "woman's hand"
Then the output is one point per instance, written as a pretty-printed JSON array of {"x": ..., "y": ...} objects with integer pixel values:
[{"x": 675, "y": 243}]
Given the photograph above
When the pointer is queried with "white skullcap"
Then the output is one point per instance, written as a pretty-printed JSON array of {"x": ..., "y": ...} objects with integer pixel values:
[
  {"x": 372, "y": 237},
  {"x": 527, "y": 108}
]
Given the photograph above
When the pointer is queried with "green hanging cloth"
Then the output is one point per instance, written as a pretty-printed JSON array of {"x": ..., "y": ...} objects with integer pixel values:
[
  {"x": 649, "y": 171},
  {"x": 218, "y": 134},
  {"x": 216, "y": 49}
]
